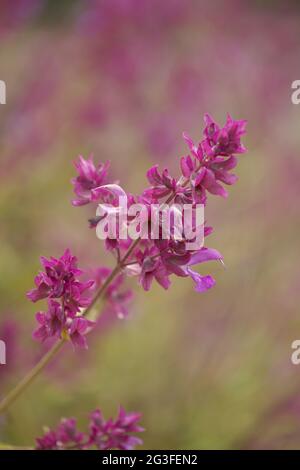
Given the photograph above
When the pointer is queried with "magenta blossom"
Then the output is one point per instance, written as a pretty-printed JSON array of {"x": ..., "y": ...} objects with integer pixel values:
[
  {"x": 115, "y": 434},
  {"x": 66, "y": 436},
  {"x": 55, "y": 323},
  {"x": 224, "y": 141},
  {"x": 49, "y": 441},
  {"x": 60, "y": 281},
  {"x": 155, "y": 265},
  {"x": 150, "y": 267},
  {"x": 102, "y": 434},
  {"x": 62, "y": 319},
  {"x": 77, "y": 331},
  {"x": 180, "y": 265},
  {"x": 211, "y": 160},
  {"x": 204, "y": 170},
  {"x": 162, "y": 184},
  {"x": 89, "y": 177},
  {"x": 202, "y": 283}
]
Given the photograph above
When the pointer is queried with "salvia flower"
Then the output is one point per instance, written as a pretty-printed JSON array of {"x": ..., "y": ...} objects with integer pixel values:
[
  {"x": 79, "y": 327},
  {"x": 60, "y": 281},
  {"x": 211, "y": 160},
  {"x": 205, "y": 170},
  {"x": 162, "y": 184},
  {"x": 89, "y": 177},
  {"x": 65, "y": 436},
  {"x": 224, "y": 141},
  {"x": 115, "y": 434},
  {"x": 51, "y": 323},
  {"x": 67, "y": 296},
  {"x": 102, "y": 434}
]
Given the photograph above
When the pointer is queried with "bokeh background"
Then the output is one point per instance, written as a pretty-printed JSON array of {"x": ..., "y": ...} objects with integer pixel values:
[{"x": 123, "y": 79}]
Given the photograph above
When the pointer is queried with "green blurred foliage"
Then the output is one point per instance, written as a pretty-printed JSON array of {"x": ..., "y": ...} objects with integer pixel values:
[{"x": 204, "y": 370}]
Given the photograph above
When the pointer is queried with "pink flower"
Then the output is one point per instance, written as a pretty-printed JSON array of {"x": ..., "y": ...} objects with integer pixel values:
[
  {"x": 65, "y": 436},
  {"x": 60, "y": 281},
  {"x": 67, "y": 432},
  {"x": 162, "y": 184},
  {"x": 156, "y": 265},
  {"x": 225, "y": 141},
  {"x": 212, "y": 159},
  {"x": 152, "y": 268},
  {"x": 89, "y": 177},
  {"x": 115, "y": 434},
  {"x": 48, "y": 441},
  {"x": 102, "y": 434},
  {"x": 80, "y": 326},
  {"x": 51, "y": 322},
  {"x": 204, "y": 170},
  {"x": 202, "y": 283}
]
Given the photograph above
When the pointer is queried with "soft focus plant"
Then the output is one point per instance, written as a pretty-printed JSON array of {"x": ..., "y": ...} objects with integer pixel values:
[
  {"x": 102, "y": 434},
  {"x": 71, "y": 301}
]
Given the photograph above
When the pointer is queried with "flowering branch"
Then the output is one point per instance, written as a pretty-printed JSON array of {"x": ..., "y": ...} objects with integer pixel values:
[
  {"x": 49, "y": 355},
  {"x": 204, "y": 170}
]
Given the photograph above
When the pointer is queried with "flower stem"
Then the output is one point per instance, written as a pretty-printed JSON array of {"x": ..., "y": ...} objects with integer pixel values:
[
  {"x": 39, "y": 367},
  {"x": 23, "y": 384}
]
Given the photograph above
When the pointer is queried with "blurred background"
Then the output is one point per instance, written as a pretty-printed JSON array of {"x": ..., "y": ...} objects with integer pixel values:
[{"x": 123, "y": 79}]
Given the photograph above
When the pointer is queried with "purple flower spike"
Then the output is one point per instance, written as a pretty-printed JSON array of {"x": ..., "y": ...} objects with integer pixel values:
[
  {"x": 59, "y": 281},
  {"x": 225, "y": 141},
  {"x": 211, "y": 160}
]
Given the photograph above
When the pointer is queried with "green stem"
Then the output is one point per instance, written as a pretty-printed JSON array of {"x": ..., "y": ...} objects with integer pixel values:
[
  {"x": 34, "y": 372},
  {"x": 39, "y": 367}
]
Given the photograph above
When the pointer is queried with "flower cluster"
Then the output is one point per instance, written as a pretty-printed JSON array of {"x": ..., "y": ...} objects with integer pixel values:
[
  {"x": 66, "y": 296},
  {"x": 209, "y": 162},
  {"x": 102, "y": 434},
  {"x": 204, "y": 170},
  {"x": 89, "y": 177}
]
